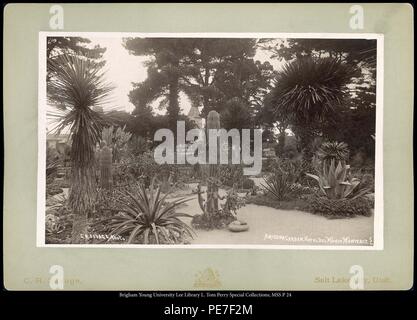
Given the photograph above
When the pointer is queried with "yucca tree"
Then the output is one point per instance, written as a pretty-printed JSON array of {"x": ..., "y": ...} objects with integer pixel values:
[
  {"x": 77, "y": 85},
  {"x": 309, "y": 91}
]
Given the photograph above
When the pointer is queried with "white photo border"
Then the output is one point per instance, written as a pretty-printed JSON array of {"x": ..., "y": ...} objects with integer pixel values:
[{"x": 378, "y": 230}]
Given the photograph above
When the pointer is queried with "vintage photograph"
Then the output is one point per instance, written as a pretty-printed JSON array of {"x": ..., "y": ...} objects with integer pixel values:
[{"x": 210, "y": 140}]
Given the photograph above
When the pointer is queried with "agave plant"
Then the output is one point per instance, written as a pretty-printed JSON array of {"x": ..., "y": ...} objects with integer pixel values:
[
  {"x": 338, "y": 151},
  {"x": 77, "y": 86},
  {"x": 145, "y": 213},
  {"x": 335, "y": 182}
]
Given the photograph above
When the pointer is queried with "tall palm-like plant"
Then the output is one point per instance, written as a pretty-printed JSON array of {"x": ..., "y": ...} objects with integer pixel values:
[
  {"x": 76, "y": 87},
  {"x": 308, "y": 91}
]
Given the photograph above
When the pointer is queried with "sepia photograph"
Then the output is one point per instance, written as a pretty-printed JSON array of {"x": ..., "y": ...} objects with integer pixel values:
[
  {"x": 210, "y": 140},
  {"x": 208, "y": 159}
]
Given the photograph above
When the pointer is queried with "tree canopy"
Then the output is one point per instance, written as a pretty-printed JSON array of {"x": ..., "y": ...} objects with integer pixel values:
[
  {"x": 350, "y": 115},
  {"x": 214, "y": 73},
  {"x": 322, "y": 87}
]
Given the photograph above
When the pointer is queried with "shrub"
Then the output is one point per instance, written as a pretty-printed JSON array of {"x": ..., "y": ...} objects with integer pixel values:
[
  {"x": 53, "y": 224},
  {"x": 58, "y": 220},
  {"x": 132, "y": 168},
  {"x": 263, "y": 200},
  {"x": 296, "y": 167},
  {"x": 124, "y": 172},
  {"x": 52, "y": 189},
  {"x": 219, "y": 218},
  {"x": 116, "y": 139},
  {"x": 233, "y": 202},
  {"x": 279, "y": 185},
  {"x": 267, "y": 164},
  {"x": 53, "y": 161},
  {"x": 197, "y": 171},
  {"x": 366, "y": 180},
  {"x": 299, "y": 191},
  {"x": 64, "y": 183},
  {"x": 138, "y": 145},
  {"x": 106, "y": 202},
  {"x": 230, "y": 174},
  {"x": 58, "y": 205},
  {"x": 340, "y": 207},
  {"x": 248, "y": 183},
  {"x": 283, "y": 182},
  {"x": 145, "y": 216},
  {"x": 288, "y": 179}
]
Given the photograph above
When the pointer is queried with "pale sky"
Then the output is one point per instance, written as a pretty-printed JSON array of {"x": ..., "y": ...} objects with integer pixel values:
[{"x": 123, "y": 68}]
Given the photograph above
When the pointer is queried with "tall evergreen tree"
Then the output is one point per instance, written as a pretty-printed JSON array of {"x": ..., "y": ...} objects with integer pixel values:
[{"x": 166, "y": 70}]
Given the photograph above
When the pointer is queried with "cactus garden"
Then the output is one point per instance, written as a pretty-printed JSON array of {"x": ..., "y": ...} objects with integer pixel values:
[{"x": 315, "y": 114}]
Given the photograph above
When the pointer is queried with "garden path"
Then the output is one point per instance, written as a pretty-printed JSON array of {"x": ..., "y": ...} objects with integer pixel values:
[{"x": 285, "y": 227}]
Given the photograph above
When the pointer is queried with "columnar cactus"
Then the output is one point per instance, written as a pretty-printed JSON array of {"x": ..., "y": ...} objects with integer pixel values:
[
  {"x": 211, "y": 205},
  {"x": 105, "y": 162},
  {"x": 213, "y": 216}
]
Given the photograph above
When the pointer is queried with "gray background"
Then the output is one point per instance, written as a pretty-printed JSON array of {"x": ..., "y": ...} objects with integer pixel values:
[{"x": 27, "y": 267}]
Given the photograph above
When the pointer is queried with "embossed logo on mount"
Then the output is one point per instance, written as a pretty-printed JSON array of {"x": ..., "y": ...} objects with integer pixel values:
[{"x": 209, "y": 278}]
